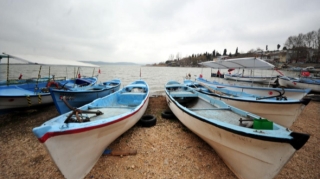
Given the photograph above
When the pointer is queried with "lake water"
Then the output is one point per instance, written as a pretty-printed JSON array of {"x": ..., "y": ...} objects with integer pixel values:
[{"x": 156, "y": 77}]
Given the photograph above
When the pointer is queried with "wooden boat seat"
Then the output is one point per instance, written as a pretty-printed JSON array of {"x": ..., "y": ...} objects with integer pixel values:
[
  {"x": 183, "y": 94},
  {"x": 197, "y": 109},
  {"x": 95, "y": 89},
  {"x": 132, "y": 94},
  {"x": 247, "y": 122},
  {"x": 109, "y": 112},
  {"x": 115, "y": 107},
  {"x": 130, "y": 99}
]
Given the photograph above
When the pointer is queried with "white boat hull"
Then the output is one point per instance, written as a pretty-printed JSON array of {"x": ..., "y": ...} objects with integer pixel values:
[
  {"x": 283, "y": 114},
  {"x": 294, "y": 84},
  {"x": 14, "y": 102},
  {"x": 87, "y": 145},
  {"x": 247, "y": 157},
  {"x": 263, "y": 80}
]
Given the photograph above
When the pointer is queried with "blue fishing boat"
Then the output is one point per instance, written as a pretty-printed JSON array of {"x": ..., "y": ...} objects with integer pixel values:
[
  {"x": 75, "y": 140},
  {"x": 17, "y": 97},
  {"x": 250, "y": 145},
  {"x": 77, "y": 82},
  {"x": 35, "y": 92},
  {"x": 300, "y": 83},
  {"x": 79, "y": 95}
]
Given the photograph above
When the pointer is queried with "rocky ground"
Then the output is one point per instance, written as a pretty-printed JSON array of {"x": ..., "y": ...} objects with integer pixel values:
[{"x": 166, "y": 150}]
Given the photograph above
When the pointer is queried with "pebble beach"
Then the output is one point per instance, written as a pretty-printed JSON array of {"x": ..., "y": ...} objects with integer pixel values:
[{"x": 166, "y": 150}]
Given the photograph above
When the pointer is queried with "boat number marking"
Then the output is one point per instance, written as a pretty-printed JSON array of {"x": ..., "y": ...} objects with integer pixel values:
[
  {"x": 69, "y": 98},
  {"x": 241, "y": 138},
  {"x": 168, "y": 102}
]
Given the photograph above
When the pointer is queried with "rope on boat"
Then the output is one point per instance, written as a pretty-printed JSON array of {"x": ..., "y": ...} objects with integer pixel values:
[
  {"x": 28, "y": 99},
  {"x": 39, "y": 98},
  {"x": 211, "y": 90},
  {"x": 78, "y": 112},
  {"x": 36, "y": 88},
  {"x": 278, "y": 97},
  {"x": 8, "y": 71}
]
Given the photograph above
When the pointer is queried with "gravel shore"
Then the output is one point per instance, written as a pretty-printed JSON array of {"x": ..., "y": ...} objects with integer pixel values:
[{"x": 167, "y": 150}]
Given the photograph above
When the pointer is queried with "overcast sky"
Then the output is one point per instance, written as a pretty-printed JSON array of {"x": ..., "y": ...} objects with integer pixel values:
[{"x": 149, "y": 31}]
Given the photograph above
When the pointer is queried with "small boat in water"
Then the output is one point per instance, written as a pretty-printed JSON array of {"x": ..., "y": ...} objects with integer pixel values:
[
  {"x": 76, "y": 140},
  {"x": 277, "y": 108},
  {"x": 252, "y": 147},
  {"x": 79, "y": 96}
]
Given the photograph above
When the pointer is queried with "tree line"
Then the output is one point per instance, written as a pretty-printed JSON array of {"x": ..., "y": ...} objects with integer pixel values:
[
  {"x": 309, "y": 40},
  {"x": 299, "y": 42}
]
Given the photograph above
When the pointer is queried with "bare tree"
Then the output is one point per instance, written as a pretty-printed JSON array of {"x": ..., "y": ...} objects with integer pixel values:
[
  {"x": 308, "y": 38},
  {"x": 290, "y": 42},
  {"x": 300, "y": 40},
  {"x": 171, "y": 57},
  {"x": 318, "y": 40},
  {"x": 295, "y": 41},
  {"x": 251, "y": 51},
  {"x": 178, "y": 56},
  {"x": 314, "y": 39}
]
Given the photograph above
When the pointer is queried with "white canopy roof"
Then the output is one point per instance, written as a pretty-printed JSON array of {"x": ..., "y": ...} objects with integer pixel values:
[
  {"x": 42, "y": 60},
  {"x": 249, "y": 62}
]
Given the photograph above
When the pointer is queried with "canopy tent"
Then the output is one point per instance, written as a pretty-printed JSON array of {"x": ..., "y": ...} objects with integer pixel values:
[
  {"x": 42, "y": 60},
  {"x": 248, "y": 63}
]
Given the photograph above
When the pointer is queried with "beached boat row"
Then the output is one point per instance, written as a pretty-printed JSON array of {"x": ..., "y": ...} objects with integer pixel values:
[
  {"x": 253, "y": 142},
  {"x": 251, "y": 145}
]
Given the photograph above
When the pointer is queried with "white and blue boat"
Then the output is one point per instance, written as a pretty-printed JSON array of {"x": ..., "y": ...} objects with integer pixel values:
[
  {"x": 300, "y": 83},
  {"x": 291, "y": 93},
  {"x": 76, "y": 140},
  {"x": 22, "y": 96},
  {"x": 251, "y": 79},
  {"x": 35, "y": 92},
  {"x": 79, "y": 96},
  {"x": 251, "y": 63},
  {"x": 251, "y": 146},
  {"x": 277, "y": 108},
  {"x": 248, "y": 63}
]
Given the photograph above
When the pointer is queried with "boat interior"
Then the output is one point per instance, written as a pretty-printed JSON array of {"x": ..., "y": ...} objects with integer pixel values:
[
  {"x": 127, "y": 100},
  {"x": 209, "y": 108}
]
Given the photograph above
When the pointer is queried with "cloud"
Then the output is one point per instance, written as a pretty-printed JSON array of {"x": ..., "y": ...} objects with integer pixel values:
[{"x": 149, "y": 31}]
